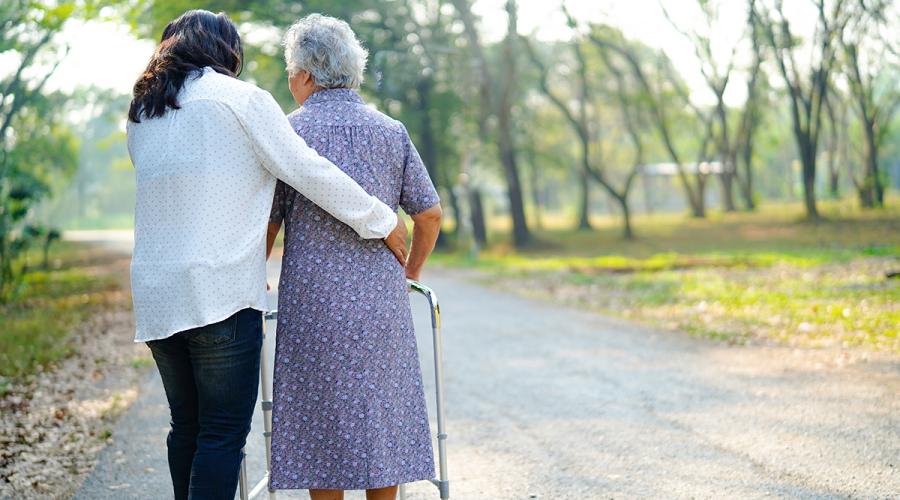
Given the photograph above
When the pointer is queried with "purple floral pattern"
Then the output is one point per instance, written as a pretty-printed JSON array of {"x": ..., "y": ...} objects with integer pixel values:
[{"x": 349, "y": 407}]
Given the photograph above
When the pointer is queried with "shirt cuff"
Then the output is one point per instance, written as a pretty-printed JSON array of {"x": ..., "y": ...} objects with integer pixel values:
[{"x": 382, "y": 221}]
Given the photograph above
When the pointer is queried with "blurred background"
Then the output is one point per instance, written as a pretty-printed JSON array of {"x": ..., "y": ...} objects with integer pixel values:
[
  {"x": 728, "y": 169},
  {"x": 573, "y": 136}
]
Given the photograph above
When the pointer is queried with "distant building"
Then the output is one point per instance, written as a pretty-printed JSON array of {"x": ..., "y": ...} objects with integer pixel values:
[
  {"x": 671, "y": 169},
  {"x": 661, "y": 189}
]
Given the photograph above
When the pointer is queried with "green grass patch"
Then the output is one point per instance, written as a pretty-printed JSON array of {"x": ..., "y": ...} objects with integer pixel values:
[
  {"x": 50, "y": 303},
  {"x": 735, "y": 277}
]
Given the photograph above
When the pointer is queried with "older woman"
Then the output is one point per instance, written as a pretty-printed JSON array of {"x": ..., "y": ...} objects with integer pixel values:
[
  {"x": 207, "y": 149},
  {"x": 349, "y": 408}
]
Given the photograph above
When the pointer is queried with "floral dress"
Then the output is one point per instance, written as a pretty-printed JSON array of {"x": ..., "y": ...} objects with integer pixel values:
[{"x": 349, "y": 406}]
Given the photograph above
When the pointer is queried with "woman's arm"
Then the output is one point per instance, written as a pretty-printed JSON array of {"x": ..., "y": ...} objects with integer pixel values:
[
  {"x": 426, "y": 226},
  {"x": 286, "y": 156},
  {"x": 271, "y": 234}
]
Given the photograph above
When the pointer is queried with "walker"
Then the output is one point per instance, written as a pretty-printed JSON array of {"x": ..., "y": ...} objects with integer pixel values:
[{"x": 442, "y": 483}]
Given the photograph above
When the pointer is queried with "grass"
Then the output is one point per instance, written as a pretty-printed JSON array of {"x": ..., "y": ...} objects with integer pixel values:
[
  {"x": 778, "y": 228},
  {"x": 101, "y": 221},
  {"x": 769, "y": 275},
  {"x": 51, "y": 303}
]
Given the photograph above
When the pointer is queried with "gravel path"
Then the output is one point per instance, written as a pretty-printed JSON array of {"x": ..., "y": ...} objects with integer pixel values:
[{"x": 549, "y": 402}]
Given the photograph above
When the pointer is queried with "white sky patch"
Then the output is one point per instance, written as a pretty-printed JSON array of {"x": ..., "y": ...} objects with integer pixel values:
[
  {"x": 641, "y": 20},
  {"x": 102, "y": 54}
]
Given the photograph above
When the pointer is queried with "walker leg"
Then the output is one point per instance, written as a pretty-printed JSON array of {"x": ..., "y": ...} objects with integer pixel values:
[
  {"x": 442, "y": 482},
  {"x": 267, "y": 408},
  {"x": 266, "y": 404},
  {"x": 243, "y": 477}
]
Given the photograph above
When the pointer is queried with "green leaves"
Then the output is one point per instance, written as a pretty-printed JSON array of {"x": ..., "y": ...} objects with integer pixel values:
[
  {"x": 39, "y": 151},
  {"x": 52, "y": 17}
]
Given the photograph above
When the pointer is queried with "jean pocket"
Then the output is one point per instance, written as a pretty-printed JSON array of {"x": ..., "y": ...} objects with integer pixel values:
[{"x": 215, "y": 334}]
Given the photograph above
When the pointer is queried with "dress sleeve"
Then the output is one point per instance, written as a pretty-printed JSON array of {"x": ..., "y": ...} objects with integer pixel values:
[
  {"x": 277, "y": 214},
  {"x": 417, "y": 193},
  {"x": 285, "y": 154}
]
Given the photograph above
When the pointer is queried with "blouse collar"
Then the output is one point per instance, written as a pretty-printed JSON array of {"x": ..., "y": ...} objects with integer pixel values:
[{"x": 333, "y": 95}]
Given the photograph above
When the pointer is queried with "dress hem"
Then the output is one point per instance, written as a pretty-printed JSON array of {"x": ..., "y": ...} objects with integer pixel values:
[{"x": 375, "y": 484}]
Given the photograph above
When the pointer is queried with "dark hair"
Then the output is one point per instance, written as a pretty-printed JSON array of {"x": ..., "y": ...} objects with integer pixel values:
[{"x": 196, "y": 39}]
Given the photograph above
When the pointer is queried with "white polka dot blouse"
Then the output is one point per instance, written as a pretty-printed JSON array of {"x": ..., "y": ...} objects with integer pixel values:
[{"x": 206, "y": 175}]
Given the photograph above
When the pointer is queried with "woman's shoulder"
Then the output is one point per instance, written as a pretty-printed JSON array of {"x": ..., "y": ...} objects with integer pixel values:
[
  {"x": 306, "y": 118},
  {"x": 386, "y": 121},
  {"x": 228, "y": 90},
  {"x": 372, "y": 117},
  {"x": 369, "y": 114}
]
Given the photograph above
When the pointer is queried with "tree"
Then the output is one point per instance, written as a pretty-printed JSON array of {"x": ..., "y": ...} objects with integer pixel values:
[
  {"x": 414, "y": 68},
  {"x": 717, "y": 78},
  {"x": 807, "y": 90},
  {"x": 36, "y": 147},
  {"x": 579, "y": 124},
  {"x": 549, "y": 155},
  {"x": 609, "y": 39},
  {"x": 581, "y": 119},
  {"x": 871, "y": 71},
  {"x": 751, "y": 113},
  {"x": 734, "y": 140},
  {"x": 838, "y": 125},
  {"x": 496, "y": 101}
]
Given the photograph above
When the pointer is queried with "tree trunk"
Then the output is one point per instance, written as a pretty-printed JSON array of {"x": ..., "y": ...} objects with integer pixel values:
[
  {"x": 834, "y": 183},
  {"x": 806, "y": 100},
  {"x": 479, "y": 228},
  {"x": 872, "y": 180},
  {"x": 627, "y": 232},
  {"x": 865, "y": 197},
  {"x": 833, "y": 145},
  {"x": 534, "y": 183},
  {"x": 729, "y": 168},
  {"x": 584, "y": 203},
  {"x": 833, "y": 177},
  {"x": 454, "y": 205},
  {"x": 747, "y": 183},
  {"x": 427, "y": 146},
  {"x": 808, "y": 162},
  {"x": 698, "y": 210},
  {"x": 521, "y": 233},
  {"x": 726, "y": 178}
]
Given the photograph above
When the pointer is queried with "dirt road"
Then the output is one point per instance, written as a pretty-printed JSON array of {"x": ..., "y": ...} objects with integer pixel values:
[{"x": 549, "y": 402}]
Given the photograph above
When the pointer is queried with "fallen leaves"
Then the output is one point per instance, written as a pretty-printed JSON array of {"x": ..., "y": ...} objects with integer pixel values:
[{"x": 53, "y": 423}]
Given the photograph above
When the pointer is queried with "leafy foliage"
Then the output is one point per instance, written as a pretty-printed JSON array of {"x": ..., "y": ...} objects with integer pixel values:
[{"x": 38, "y": 149}]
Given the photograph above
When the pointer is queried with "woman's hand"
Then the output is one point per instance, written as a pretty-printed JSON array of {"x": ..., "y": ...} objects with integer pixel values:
[{"x": 396, "y": 241}]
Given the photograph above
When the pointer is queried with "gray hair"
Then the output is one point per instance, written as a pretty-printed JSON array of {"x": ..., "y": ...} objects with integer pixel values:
[{"x": 328, "y": 49}]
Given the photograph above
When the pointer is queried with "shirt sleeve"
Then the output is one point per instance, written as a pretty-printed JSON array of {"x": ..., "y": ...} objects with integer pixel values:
[
  {"x": 417, "y": 193},
  {"x": 286, "y": 155},
  {"x": 277, "y": 214}
]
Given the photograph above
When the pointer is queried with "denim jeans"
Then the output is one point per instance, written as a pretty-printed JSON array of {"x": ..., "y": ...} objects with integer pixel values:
[{"x": 211, "y": 376}]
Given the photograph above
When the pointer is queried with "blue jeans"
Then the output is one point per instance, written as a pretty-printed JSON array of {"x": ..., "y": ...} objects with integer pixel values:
[{"x": 211, "y": 376}]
